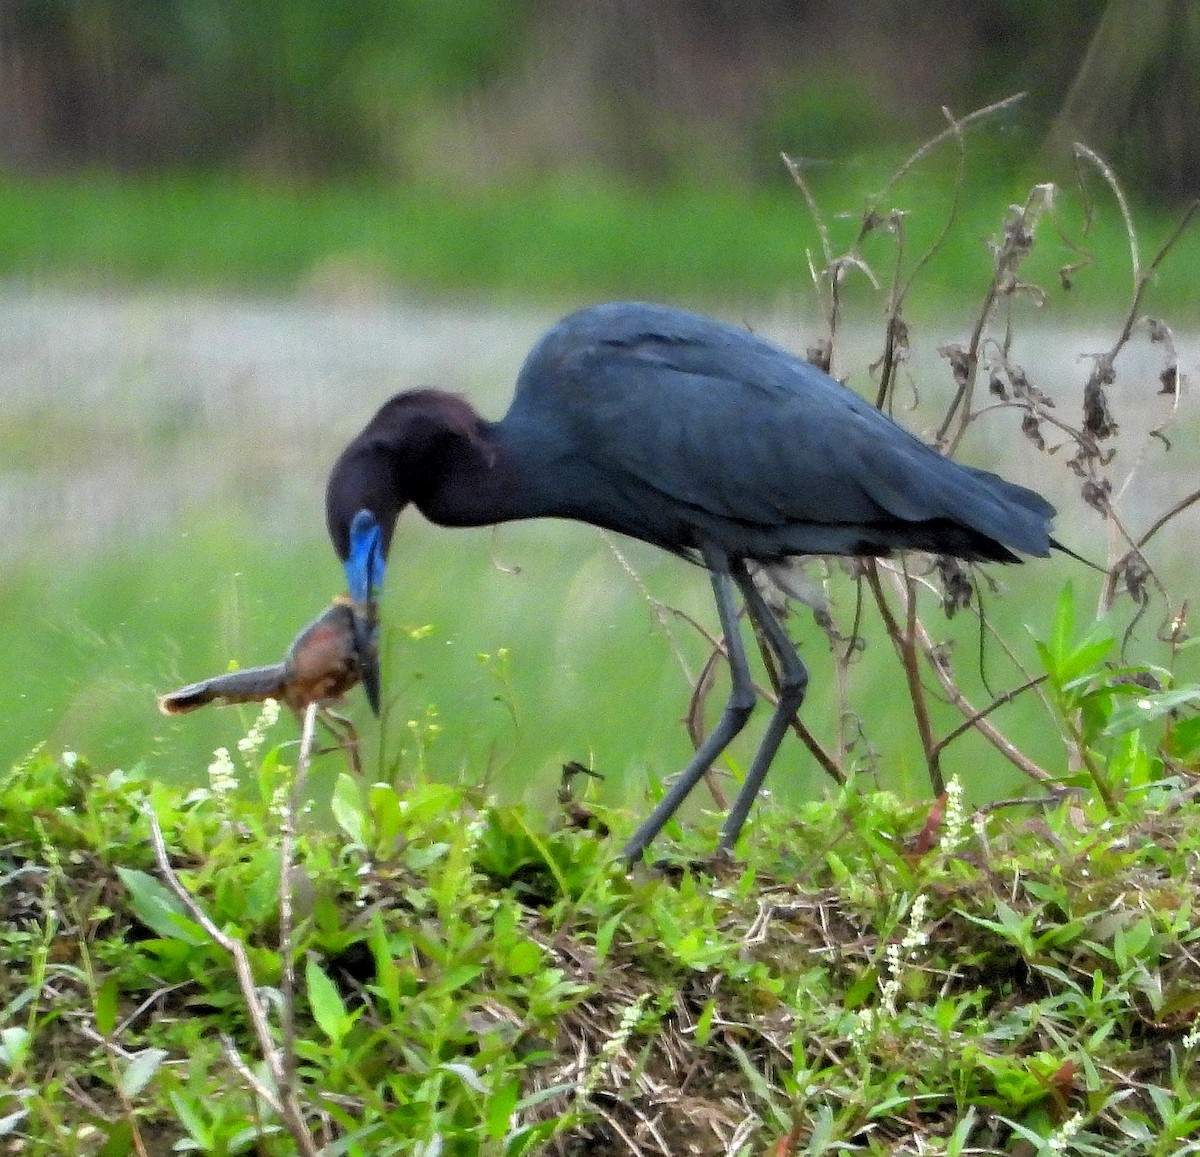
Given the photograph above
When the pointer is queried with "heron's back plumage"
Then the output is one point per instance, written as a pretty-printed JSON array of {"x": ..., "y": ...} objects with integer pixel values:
[{"x": 681, "y": 430}]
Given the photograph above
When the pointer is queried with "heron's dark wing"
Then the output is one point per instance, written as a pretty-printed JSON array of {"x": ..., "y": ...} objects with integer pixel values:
[{"x": 698, "y": 416}]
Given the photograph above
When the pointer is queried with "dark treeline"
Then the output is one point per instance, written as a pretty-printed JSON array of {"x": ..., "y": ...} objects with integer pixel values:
[{"x": 480, "y": 90}]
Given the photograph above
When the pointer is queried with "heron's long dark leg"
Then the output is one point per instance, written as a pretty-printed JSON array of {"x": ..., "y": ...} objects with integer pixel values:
[
  {"x": 793, "y": 681},
  {"x": 733, "y": 718}
]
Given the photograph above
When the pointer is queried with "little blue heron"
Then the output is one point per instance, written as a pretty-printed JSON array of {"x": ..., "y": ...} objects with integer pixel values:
[{"x": 696, "y": 436}]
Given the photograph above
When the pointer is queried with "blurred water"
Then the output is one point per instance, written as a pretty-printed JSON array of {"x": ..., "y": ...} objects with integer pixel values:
[{"x": 122, "y": 411}]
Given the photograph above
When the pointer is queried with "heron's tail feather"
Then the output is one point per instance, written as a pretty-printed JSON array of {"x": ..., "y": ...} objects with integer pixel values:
[
  {"x": 252, "y": 685},
  {"x": 1056, "y": 545}
]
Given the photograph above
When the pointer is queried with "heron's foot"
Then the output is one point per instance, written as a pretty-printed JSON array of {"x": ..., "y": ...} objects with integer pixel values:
[
  {"x": 579, "y": 815},
  {"x": 719, "y": 864}
]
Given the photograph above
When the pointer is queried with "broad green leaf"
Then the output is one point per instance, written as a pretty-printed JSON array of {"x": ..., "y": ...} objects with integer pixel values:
[
  {"x": 1185, "y": 737},
  {"x": 139, "y": 1072},
  {"x": 160, "y": 909},
  {"x": 525, "y": 959},
  {"x": 118, "y": 1141},
  {"x": 14, "y": 1047},
  {"x": 347, "y": 809},
  {"x": 387, "y": 815},
  {"x": 106, "y": 1006},
  {"x": 189, "y": 1117},
  {"x": 1084, "y": 657},
  {"x": 466, "y": 1074},
  {"x": 604, "y": 936},
  {"x": 1151, "y": 706},
  {"x": 500, "y": 1108},
  {"x": 326, "y": 1002},
  {"x": 387, "y": 979},
  {"x": 1061, "y": 631},
  {"x": 962, "y": 1134}
]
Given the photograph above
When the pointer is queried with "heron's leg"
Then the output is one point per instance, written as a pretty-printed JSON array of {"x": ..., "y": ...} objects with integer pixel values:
[
  {"x": 733, "y": 718},
  {"x": 793, "y": 681}
]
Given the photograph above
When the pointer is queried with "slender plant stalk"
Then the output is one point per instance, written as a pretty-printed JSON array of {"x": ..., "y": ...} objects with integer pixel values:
[{"x": 282, "y": 1099}]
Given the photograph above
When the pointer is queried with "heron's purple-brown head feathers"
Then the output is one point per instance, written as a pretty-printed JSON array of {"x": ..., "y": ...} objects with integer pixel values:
[{"x": 398, "y": 458}]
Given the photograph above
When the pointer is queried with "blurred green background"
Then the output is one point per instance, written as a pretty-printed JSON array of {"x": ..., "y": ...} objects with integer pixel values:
[{"x": 228, "y": 231}]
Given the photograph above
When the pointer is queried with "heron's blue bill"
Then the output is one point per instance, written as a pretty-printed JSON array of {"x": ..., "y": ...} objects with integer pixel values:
[
  {"x": 364, "y": 564},
  {"x": 364, "y": 576}
]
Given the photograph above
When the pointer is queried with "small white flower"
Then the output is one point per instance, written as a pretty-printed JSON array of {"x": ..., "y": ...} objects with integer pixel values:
[
  {"x": 279, "y": 800},
  {"x": 222, "y": 775},
  {"x": 631, "y": 1015},
  {"x": 250, "y": 743},
  {"x": 889, "y": 988},
  {"x": 916, "y": 936},
  {"x": 475, "y": 830},
  {"x": 613, "y": 1045},
  {"x": 955, "y": 821},
  {"x": 864, "y": 1024},
  {"x": 1058, "y": 1140}
]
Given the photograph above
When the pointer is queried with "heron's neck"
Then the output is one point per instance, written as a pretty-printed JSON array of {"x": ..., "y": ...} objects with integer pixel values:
[{"x": 466, "y": 479}]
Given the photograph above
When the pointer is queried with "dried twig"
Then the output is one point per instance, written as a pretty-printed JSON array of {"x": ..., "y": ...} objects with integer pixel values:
[
  {"x": 971, "y": 720},
  {"x": 903, "y": 639},
  {"x": 980, "y": 723},
  {"x": 282, "y": 1099},
  {"x": 287, "y": 955}
]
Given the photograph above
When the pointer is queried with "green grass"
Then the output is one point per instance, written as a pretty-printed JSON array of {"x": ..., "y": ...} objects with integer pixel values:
[
  {"x": 588, "y": 672},
  {"x": 473, "y": 979},
  {"x": 564, "y": 239},
  {"x": 588, "y": 675}
]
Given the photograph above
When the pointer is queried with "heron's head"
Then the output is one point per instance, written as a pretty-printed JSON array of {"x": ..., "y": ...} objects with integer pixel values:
[
  {"x": 362, "y": 504},
  {"x": 390, "y": 463},
  {"x": 363, "y": 482},
  {"x": 363, "y": 499}
]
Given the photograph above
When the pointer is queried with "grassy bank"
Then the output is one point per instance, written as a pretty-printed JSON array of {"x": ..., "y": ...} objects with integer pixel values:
[
  {"x": 441, "y": 975},
  {"x": 557, "y": 241}
]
